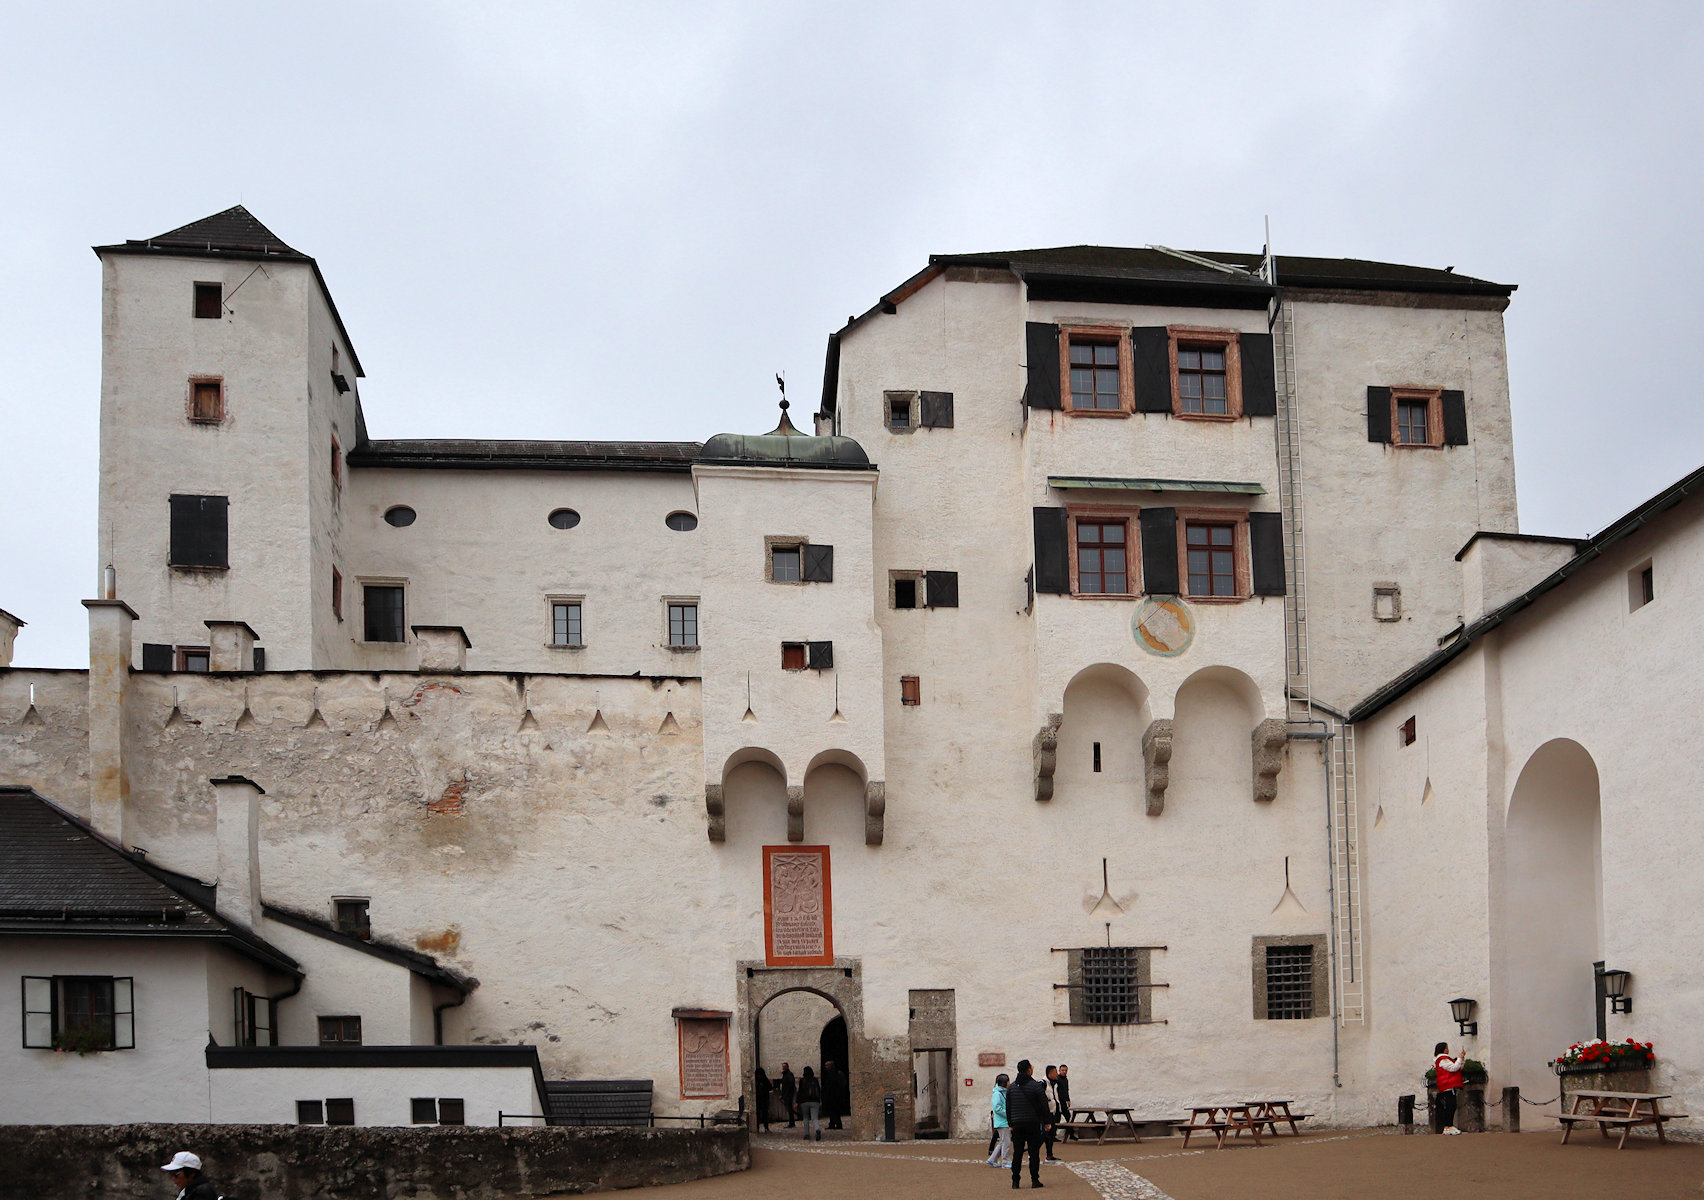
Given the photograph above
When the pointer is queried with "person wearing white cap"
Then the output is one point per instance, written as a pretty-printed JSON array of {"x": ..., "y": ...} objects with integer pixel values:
[{"x": 185, "y": 1171}]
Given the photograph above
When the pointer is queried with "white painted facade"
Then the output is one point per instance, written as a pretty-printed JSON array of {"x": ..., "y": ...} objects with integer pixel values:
[
  {"x": 381, "y": 1095},
  {"x": 582, "y": 828}
]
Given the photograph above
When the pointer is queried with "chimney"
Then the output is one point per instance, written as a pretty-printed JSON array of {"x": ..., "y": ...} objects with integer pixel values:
[
  {"x": 237, "y": 805},
  {"x": 230, "y": 646},
  {"x": 442, "y": 647},
  {"x": 9, "y": 626},
  {"x": 110, "y": 623}
]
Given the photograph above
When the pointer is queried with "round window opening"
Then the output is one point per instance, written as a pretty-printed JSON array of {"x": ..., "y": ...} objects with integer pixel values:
[
  {"x": 682, "y": 522},
  {"x": 401, "y": 516},
  {"x": 564, "y": 518}
]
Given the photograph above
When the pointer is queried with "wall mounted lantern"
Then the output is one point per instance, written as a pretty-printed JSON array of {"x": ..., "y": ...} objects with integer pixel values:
[
  {"x": 1615, "y": 990},
  {"x": 1461, "y": 1010}
]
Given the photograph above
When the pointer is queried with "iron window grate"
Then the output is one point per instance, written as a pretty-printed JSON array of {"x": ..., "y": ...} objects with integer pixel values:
[
  {"x": 1289, "y": 983},
  {"x": 1110, "y": 994}
]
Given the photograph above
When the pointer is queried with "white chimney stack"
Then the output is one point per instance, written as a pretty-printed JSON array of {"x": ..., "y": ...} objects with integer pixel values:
[{"x": 237, "y": 806}]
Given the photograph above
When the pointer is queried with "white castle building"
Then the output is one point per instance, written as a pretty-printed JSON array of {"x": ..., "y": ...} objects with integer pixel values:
[{"x": 1138, "y": 666}]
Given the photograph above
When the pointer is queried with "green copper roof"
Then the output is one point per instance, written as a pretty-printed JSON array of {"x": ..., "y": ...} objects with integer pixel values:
[
  {"x": 785, "y": 446},
  {"x": 1106, "y": 483}
]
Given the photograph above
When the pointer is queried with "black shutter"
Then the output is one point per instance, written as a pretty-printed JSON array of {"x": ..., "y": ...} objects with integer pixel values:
[
  {"x": 1150, "y": 355},
  {"x": 1052, "y": 553},
  {"x": 937, "y": 410},
  {"x": 1159, "y": 551},
  {"x": 1378, "y": 414},
  {"x": 156, "y": 657},
  {"x": 1041, "y": 351},
  {"x": 260, "y": 658},
  {"x": 818, "y": 564},
  {"x": 820, "y": 655},
  {"x": 1266, "y": 552},
  {"x": 1259, "y": 389},
  {"x": 942, "y": 588},
  {"x": 199, "y": 531},
  {"x": 1455, "y": 419}
]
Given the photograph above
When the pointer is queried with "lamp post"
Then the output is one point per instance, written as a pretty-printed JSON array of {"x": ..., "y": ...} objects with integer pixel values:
[
  {"x": 1461, "y": 1010},
  {"x": 1614, "y": 984}
]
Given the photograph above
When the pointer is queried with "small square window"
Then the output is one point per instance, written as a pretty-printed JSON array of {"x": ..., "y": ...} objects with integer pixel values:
[
  {"x": 565, "y": 628},
  {"x": 793, "y": 656},
  {"x": 905, "y": 593},
  {"x": 339, "y": 1031},
  {"x": 683, "y": 626},
  {"x": 784, "y": 565},
  {"x": 424, "y": 1110},
  {"x": 910, "y": 690},
  {"x": 452, "y": 1110},
  {"x": 1387, "y": 602},
  {"x": 340, "y": 1112},
  {"x": 209, "y": 301},
  {"x": 193, "y": 658},
  {"x": 382, "y": 609},
  {"x": 1407, "y": 733},
  {"x": 207, "y": 401},
  {"x": 899, "y": 410},
  {"x": 310, "y": 1112},
  {"x": 353, "y": 918}
]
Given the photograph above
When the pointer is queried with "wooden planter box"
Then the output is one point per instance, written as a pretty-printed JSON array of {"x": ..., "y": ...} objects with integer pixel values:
[{"x": 1605, "y": 1077}]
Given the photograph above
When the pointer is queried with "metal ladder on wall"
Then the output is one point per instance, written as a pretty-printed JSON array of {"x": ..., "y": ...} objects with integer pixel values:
[{"x": 1299, "y": 709}]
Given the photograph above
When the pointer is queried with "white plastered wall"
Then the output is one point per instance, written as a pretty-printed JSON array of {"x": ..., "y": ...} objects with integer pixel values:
[{"x": 382, "y": 1095}]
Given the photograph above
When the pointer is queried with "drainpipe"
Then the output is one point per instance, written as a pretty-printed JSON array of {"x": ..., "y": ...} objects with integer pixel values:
[
  {"x": 1323, "y": 736},
  {"x": 438, "y": 1016}
]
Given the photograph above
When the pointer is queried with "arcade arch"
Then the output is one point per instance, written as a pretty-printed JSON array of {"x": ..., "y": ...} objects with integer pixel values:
[{"x": 1100, "y": 738}]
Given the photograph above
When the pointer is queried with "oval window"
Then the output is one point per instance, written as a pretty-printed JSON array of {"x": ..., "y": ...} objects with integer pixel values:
[
  {"x": 564, "y": 518},
  {"x": 681, "y": 522},
  {"x": 401, "y": 516}
]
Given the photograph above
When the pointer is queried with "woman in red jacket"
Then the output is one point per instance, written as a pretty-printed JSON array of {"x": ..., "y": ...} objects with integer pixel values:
[{"x": 1449, "y": 1083}]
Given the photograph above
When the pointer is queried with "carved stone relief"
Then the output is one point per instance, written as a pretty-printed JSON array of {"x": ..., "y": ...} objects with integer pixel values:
[
  {"x": 716, "y": 811},
  {"x": 1268, "y": 757},
  {"x": 1046, "y": 750},
  {"x": 1156, "y": 759}
]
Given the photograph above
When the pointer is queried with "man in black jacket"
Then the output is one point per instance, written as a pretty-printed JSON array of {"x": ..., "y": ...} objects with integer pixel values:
[
  {"x": 1062, "y": 1093},
  {"x": 1030, "y": 1112},
  {"x": 836, "y": 1094},
  {"x": 789, "y": 1089}
]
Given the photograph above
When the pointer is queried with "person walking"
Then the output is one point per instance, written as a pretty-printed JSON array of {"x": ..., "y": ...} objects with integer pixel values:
[
  {"x": 789, "y": 1092},
  {"x": 1449, "y": 1083},
  {"x": 1030, "y": 1114},
  {"x": 1000, "y": 1144},
  {"x": 185, "y": 1173},
  {"x": 764, "y": 1090},
  {"x": 1052, "y": 1076},
  {"x": 810, "y": 1102},
  {"x": 1062, "y": 1093}
]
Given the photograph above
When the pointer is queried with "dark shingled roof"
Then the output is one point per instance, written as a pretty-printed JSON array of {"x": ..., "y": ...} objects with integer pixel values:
[
  {"x": 423, "y": 965},
  {"x": 475, "y": 455},
  {"x": 59, "y": 877}
]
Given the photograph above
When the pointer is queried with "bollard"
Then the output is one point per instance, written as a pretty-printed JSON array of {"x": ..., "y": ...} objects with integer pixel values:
[
  {"x": 1511, "y": 1110},
  {"x": 887, "y": 1119},
  {"x": 1405, "y": 1113}
]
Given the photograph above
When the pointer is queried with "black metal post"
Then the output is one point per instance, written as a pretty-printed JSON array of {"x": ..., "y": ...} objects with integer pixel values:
[
  {"x": 887, "y": 1119},
  {"x": 1405, "y": 1113},
  {"x": 1598, "y": 992}
]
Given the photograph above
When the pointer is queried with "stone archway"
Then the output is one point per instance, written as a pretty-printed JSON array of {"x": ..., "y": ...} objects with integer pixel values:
[{"x": 842, "y": 985}]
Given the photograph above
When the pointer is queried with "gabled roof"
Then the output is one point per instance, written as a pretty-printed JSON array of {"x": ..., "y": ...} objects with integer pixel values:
[
  {"x": 60, "y": 878},
  {"x": 423, "y": 965},
  {"x": 234, "y": 234},
  {"x": 1589, "y": 549}
]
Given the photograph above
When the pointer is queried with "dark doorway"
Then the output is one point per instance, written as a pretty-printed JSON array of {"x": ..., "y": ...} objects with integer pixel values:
[{"x": 831, "y": 1046}]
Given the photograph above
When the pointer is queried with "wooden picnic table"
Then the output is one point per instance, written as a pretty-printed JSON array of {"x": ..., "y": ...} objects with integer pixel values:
[
  {"x": 1623, "y": 1110},
  {"x": 1220, "y": 1119},
  {"x": 1273, "y": 1113},
  {"x": 1084, "y": 1119}
]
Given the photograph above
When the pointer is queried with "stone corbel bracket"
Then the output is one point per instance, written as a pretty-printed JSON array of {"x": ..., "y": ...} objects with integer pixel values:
[
  {"x": 1268, "y": 758},
  {"x": 1046, "y": 751},
  {"x": 875, "y": 811},
  {"x": 716, "y": 810},
  {"x": 1156, "y": 761},
  {"x": 796, "y": 812}
]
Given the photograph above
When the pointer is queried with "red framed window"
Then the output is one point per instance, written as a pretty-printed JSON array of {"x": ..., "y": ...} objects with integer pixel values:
[
  {"x": 1203, "y": 386},
  {"x": 1103, "y": 566},
  {"x": 1095, "y": 385},
  {"x": 1211, "y": 554}
]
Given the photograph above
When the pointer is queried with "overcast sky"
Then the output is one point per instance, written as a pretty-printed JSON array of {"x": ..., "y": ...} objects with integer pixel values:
[{"x": 621, "y": 220}]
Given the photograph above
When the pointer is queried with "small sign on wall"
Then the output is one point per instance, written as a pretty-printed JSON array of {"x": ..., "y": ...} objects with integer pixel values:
[
  {"x": 798, "y": 926},
  {"x": 703, "y": 1055},
  {"x": 988, "y": 1059}
]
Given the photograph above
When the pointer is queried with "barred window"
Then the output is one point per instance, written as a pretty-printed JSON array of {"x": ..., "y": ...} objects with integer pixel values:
[
  {"x": 1289, "y": 983},
  {"x": 1109, "y": 985}
]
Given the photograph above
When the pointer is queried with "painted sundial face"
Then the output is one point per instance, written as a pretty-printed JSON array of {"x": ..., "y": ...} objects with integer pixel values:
[{"x": 1163, "y": 625}]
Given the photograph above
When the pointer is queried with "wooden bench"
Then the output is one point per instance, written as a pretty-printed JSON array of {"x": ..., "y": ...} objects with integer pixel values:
[
  {"x": 1277, "y": 1119},
  {"x": 1235, "y": 1119},
  {"x": 1622, "y": 1110}
]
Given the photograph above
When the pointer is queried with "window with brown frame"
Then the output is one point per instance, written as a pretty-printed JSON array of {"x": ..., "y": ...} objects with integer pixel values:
[
  {"x": 1411, "y": 422},
  {"x": 1416, "y": 417},
  {"x": 340, "y": 1031},
  {"x": 910, "y": 690},
  {"x": 207, "y": 401},
  {"x": 1202, "y": 386},
  {"x": 193, "y": 658},
  {"x": 792, "y": 656},
  {"x": 1103, "y": 565},
  {"x": 1210, "y": 551},
  {"x": 209, "y": 300},
  {"x": 1095, "y": 375},
  {"x": 1406, "y": 734}
]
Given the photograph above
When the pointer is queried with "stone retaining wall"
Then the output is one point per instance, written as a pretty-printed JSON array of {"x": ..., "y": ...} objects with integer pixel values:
[{"x": 312, "y": 1162}]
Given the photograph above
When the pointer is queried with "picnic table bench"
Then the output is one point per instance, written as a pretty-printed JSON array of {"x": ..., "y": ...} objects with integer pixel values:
[
  {"x": 1273, "y": 1113},
  {"x": 1218, "y": 1120},
  {"x": 1114, "y": 1116},
  {"x": 1618, "y": 1110}
]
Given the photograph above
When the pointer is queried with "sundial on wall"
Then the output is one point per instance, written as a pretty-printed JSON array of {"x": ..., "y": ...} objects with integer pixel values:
[{"x": 1163, "y": 625}]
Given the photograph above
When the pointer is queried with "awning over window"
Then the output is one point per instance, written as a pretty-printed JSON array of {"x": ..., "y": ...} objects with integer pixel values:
[{"x": 1113, "y": 484}]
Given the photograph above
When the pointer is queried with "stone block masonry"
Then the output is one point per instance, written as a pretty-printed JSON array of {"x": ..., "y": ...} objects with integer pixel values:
[{"x": 316, "y": 1162}]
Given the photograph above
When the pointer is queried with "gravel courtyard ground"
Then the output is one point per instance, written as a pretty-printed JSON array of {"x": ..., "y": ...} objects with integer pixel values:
[{"x": 1372, "y": 1163}]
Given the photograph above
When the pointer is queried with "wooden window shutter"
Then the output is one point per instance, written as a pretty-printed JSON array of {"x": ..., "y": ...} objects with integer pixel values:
[
  {"x": 199, "y": 531},
  {"x": 821, "y": 655},
  {"x": 1052, "y": 551},
  {"x": 1378, "y": 414},
  {"x": 941, "y": 588},
  {"x": 123, "y": 1012},
  {"x": 1266, "y": 552},
  {"x": 817, "y": 564},
  {"x": 1455, "y": 418},
  {"x": 1150, "y": 356},
  {"x": 1259, "y": 386},
  {"x": 156, "y": 657},
  {"x": 39, "y": 1015},
  {"x": 260, "y": 658},
  {"x": 1041, "y": 352},
  {"x": 937, "y": 410},
  {"x": 1159, "y": 551}
]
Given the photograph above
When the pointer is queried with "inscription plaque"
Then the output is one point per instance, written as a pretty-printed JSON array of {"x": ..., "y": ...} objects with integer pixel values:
[
  {"x": 703, "y": 1058},
  {"x": 797, "y": 916},
  {"x": 985, "y": 1059}
]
